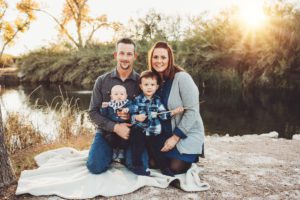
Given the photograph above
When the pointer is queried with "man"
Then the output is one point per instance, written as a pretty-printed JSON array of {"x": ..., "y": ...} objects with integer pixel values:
[{"x": 101, "y": 152}]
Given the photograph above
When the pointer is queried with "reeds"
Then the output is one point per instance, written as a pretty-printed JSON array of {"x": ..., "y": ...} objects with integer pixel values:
[
  {"x": 68, "y": 121},
  {"x": 20, "y": 133}
]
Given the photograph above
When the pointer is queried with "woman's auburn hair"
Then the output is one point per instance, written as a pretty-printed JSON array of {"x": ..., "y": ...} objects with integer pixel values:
[{"x": 172, "y": 69}]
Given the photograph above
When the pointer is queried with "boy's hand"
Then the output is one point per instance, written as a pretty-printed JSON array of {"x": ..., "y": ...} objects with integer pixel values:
[
  {"x": 104, "y": 104},
  {"x": 140, "y": 117},
  {"x": 125, "y": 110},
  {"x": 177, "y": 110}
]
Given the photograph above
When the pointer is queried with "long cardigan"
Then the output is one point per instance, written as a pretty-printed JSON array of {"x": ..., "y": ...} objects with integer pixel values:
[{"x": 184, "y": 92}]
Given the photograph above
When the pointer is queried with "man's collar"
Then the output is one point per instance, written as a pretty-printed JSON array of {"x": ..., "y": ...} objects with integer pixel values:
[{"x": 133, "y": 75}]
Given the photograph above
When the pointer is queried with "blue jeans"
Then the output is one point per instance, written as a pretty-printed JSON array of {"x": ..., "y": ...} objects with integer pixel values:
[{"x": 101, "y": 154}]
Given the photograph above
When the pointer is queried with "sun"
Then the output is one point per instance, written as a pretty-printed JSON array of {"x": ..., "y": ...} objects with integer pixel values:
[{"x": 251, "y": 13}]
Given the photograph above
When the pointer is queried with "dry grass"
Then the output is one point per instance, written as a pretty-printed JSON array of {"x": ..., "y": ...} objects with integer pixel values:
[
  {"x": 24, "y": 141},
  {"x": 24, "y": 160},
  {"x": 72, "y": 121},
  {"x": 20, "y": 133}
]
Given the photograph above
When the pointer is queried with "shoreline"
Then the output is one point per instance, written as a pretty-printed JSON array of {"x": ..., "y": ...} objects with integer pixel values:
[{"x": 9, "y": 75}]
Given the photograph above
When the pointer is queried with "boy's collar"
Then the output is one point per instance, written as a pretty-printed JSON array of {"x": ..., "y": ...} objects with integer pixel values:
[{"x": 144, "y": 98}]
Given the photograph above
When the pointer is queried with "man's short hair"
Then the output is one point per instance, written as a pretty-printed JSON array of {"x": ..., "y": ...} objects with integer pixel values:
[
  {"x": 149, "y": 74},
  {"x": 126, "y": 41}
]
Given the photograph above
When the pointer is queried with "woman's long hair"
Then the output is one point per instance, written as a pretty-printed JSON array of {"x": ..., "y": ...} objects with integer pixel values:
[{"x": 172, "y": 69}]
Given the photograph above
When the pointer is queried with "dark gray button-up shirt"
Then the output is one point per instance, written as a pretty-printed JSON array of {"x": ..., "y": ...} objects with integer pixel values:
[{"x": 101, "y": 93}]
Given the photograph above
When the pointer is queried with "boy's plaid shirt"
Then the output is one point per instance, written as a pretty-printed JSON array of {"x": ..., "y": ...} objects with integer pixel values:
[{"x": 142, "y": 105}]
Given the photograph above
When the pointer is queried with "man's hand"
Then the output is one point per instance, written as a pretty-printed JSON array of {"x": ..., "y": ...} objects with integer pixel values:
[
  {"x": 122, "y": 130},
  {"x": 140, "y": 117},
  {"x": 170, "y": 143},
  {"x": 123, "y": 115},
  {"x": 104, "y": 104}
]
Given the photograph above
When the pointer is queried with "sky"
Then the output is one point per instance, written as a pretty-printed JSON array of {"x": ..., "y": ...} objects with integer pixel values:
[{"x": 43, "y": 31}]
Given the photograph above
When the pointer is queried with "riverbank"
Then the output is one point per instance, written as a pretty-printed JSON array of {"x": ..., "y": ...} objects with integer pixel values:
[
  {"x": 9, "y": 75},
  {"x": 240, "y": 167}
]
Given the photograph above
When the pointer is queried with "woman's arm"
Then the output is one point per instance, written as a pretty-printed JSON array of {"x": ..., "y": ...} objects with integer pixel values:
[{"x": 189, "y": 96}]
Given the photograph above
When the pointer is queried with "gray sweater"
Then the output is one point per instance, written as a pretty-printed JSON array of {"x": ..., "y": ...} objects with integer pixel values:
[{"x": 184, "y": 92}]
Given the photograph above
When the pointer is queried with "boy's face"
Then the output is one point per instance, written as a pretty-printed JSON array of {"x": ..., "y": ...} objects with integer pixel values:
[
  {"x": 149, "y": 86},
  {"x": 118, "y": 93}
]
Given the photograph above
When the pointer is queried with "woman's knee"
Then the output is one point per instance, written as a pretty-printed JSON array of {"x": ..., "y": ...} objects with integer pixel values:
[{"x": 179, "y": 167}]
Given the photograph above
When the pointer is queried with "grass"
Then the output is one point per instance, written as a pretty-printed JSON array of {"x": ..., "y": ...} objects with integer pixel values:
[
  {"x": 20, "y": 133},
  {"x": 24, "y": 160},
  {"x": 24, "y": 141}
]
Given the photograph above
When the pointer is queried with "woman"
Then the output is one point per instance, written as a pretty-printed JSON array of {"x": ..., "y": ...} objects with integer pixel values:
[{"x": 182, "y": 137}]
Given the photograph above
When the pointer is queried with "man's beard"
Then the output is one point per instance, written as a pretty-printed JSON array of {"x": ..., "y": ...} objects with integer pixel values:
[{"x": 124, "y": 65}]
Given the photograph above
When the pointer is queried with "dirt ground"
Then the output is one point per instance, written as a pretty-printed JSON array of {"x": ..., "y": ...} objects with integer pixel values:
[{"x": 248, "y": 167}]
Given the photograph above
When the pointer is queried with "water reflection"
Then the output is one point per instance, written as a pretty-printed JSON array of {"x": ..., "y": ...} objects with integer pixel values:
[
  {"x": 252, "y": 113},
  {"x": 223, "y": 112},
  {"x": 52, "y": 94},
  {"x": 15, "y": 100}
]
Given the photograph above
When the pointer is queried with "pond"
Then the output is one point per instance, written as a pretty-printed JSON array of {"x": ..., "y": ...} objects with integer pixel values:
[{"x": 223, "y": 112}]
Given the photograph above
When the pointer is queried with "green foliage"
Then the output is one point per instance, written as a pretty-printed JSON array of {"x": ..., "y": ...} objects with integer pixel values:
[
  {"x": 73, "y": 67},
  {"x": 219, "y": 52}
]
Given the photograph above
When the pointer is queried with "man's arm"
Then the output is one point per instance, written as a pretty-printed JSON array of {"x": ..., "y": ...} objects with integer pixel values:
[
  {"x": 95, "y": 104},
  {"x": 102, "y": 122}
]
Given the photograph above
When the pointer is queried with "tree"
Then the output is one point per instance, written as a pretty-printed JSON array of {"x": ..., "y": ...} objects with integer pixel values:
[
  {"x": 9, "y": 30},
  {"x": 7, "y": 175},
  {"x": 77, "y": 11},
  {"x": 147, "y": 28}
]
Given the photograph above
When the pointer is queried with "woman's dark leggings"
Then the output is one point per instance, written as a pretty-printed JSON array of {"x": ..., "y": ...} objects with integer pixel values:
[{"x": 175, "y": 165}]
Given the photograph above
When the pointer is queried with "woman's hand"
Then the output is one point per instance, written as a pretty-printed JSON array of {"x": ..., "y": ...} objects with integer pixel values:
[
  {"x": 170, "y": 143},
  {"x": 177, "y": 110}
]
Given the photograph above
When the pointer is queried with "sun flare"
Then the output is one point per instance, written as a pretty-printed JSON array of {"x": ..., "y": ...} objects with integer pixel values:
[{"x": 251, "y": 13}]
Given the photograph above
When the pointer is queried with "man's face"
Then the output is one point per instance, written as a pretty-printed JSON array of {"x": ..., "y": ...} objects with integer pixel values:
[
  {"x": 149, "y": 86},
  {"x": 125, "y": 56}
]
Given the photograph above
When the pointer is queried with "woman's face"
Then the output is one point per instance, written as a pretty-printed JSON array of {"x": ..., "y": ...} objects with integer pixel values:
[{"x": 160, "y": 60}]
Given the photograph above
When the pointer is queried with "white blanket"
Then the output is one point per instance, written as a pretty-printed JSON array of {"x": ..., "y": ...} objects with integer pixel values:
[{"x": 62, "y": 172}]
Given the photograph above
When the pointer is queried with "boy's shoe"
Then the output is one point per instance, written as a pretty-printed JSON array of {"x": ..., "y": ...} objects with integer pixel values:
[
  {"x": 139, "y": 170},
  {"x": 167, "y": 171},
  {"x": 118, "y": 154}
]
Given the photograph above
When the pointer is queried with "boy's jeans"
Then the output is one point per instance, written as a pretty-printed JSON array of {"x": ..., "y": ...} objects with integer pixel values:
[{"x": 101, "y": 154}]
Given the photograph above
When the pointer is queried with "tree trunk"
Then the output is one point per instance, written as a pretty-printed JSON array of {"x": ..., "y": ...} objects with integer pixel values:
[{"x": 7, "y": 175}]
